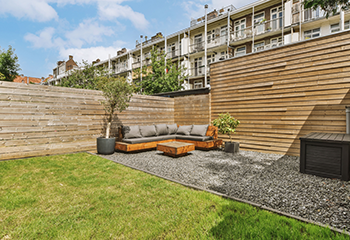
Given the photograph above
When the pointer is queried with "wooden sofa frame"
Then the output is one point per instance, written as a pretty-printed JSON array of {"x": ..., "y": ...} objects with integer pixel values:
[{"x": 202, "y": 145}]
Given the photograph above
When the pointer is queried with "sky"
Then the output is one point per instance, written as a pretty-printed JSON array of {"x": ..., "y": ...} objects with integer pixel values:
[{"x": 43, "y": 32}]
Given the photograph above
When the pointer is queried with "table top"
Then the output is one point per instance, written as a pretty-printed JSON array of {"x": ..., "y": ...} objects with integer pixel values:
[
  {"x": 175, "y": 144},
  {"x": 327, "y": 137}
]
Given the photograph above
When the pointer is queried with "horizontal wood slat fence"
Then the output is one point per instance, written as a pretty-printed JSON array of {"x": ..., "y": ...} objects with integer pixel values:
[{"x": 284, "y": 93}]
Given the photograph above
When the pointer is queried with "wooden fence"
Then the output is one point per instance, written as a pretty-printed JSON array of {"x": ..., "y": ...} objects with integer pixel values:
[
  {"x": 192, "y": 109},
  {"x": 41, "y": 120},
  {"x": 284, "y": 93}
]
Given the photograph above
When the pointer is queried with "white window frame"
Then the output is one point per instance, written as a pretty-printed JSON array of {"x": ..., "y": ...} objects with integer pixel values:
[
  {"x": 278, "y": 21},
  {"x": 335, "y": 28},
  {"x": 310, "y": 34},
  {"x": 237, "y": 54},
  {"x": 275, "y": 42},
  {"x": 210, "y": 59},
  {"x": 242, "y": 25},
  {"x": 259, "y": 25},
  {"x": 223, "y": 34},
  {"x": 259, "y": 45},
  {"x": 347, "y": 25},
  {"x": 197, "y": 84}
]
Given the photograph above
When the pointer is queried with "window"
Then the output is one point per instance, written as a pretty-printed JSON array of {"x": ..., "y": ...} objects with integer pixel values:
[
  {"x": 335, "y": 28},
  {"x": 211, "y": 59},
  {"x": 197, "y": 84},
  {"x": 275, "y": 42},
  {"x": 347, "y": 25},
  {"x": 223, "y": 55},
  {"x": 240, "y": 51},
  {"x": 276, "y": 18},
  {"x": 198, "y": 42},
  {"x": 211, "y": 35},
  {"x": 259, "y": 46},
  {"x": 223, "y": 34},
  {"x": 259, "y": 23},
  {"x": 314, "y": 33},
  {"x": 239, "y": 28}
]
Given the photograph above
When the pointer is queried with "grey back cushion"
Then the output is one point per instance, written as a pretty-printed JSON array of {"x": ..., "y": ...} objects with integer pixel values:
[
  {"x": 148, "y": 131},
  {"x": 199, "y": 130},
  {"x": 162, "y": 129},
  {"x": 172, "y": 129},
  {"x": 131, "y": 132},
  {"x": 184, "y": 130}
]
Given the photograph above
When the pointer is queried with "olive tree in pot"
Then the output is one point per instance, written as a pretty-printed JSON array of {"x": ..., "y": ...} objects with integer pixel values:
[
  {"x": 227, "y": 125},
  {"x": 117, "y": 93}
]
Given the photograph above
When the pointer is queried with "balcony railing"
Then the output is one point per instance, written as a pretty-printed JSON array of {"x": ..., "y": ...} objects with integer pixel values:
[
  {"x": 310, "y": 14},
  {"x": 173, "y": 53},
  {"x": 218, "y": 40},
  {"x": 121, "y": 68},
  {"x": 197, "y": 47},
  {"x": 259, "y": 28},
  {"x": 197, "y": 71},
  {"x": 268, "y": 46}
]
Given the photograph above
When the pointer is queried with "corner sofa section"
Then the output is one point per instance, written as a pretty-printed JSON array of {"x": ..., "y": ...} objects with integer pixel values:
[{"x": 135, "y": 138}]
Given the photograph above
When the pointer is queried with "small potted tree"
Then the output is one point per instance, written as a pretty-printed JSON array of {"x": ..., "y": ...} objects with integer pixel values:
[
  {"x": 117, "y": 93},
  {"x": 227, "y": 125}
]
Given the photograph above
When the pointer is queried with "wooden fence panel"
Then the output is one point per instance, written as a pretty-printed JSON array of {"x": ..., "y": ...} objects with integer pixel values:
[
  {"x": 193, "y": 109},
  {"x": 43, "y": 120},
  {"x": 282, "y": 94}
]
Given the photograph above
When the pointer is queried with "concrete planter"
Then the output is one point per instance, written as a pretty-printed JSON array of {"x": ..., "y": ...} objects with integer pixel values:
[
  {"x": 105, "y": 145},
  {"x": 231, "y": 147}
]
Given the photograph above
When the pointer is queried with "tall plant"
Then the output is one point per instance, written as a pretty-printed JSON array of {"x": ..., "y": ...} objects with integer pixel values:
[
  {"x": 226, "y": 124},
  {"x": 161, "y": 76},
  {"x": 117, "y": 93}
]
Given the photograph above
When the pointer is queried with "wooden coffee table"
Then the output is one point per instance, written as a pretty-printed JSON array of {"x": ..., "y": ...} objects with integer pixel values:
[{"x": 175, "y": 149}]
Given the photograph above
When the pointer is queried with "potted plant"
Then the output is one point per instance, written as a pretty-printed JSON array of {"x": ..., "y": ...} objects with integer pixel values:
[
  {"x": 117, "y": 93},
  {"x": 227, "y": 125}
]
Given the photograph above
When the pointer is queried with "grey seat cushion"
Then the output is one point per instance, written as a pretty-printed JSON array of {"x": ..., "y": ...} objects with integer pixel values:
[
  {"x": 194, "y": 138},
  {"x": 149, "y": 139},
  {"x": 172, "y": 129},
  {"x": 162, "y": 129},
  {"x": 131, "y": 132},
  {"x": 184, "y": 130},
  {"x": 199, "y": 130},
  {"x": 148, "y": 131}
]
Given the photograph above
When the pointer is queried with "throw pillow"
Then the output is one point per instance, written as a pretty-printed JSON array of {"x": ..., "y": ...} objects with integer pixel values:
[
  {"x": 172, "y": 129},
  {"x": 184, "y": 130},
  {"x": 131, "y": 132},
  {"x": 199, "y": 130},
  {"x": 148, "y": 131},
  {"x": 162, "y": 129}
]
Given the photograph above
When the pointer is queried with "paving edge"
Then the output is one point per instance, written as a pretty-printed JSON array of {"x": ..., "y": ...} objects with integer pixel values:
[{"x": 232, "y": 198}]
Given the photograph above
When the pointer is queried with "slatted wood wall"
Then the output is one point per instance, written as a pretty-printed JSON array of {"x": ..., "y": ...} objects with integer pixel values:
[
  {"x": 41, "y": 120},
  {"x": 284, "y": 93},
  {"x": 193, "y": 109}
]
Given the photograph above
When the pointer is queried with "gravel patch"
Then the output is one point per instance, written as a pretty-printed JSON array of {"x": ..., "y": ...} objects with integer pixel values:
[{"x": 271, "y": 180}]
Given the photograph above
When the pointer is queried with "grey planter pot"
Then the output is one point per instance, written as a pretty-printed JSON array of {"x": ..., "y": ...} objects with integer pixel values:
[
  {"x": 105, "y": 145},
  {"x": 231, "y": 147}
]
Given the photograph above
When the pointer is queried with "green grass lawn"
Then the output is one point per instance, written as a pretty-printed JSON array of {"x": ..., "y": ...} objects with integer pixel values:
[{"x": 81, "y": 196}]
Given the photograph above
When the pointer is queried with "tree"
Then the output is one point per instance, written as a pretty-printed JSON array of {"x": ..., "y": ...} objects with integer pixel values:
[
  {"x": 9, "y": 66},
  {"x": 87, "y": 76},
  {"x": 329, "y": 6},
  {"x": 162, "y": 76},
  {"x": 226, "y": 124},
  {"x": 117, "y": 93}
]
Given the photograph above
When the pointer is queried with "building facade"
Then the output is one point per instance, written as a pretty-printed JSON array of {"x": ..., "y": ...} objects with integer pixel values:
[{"x": 227, "y": 33}]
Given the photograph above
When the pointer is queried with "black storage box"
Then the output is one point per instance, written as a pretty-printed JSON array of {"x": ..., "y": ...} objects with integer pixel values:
[{"x": 325, "y": 155}]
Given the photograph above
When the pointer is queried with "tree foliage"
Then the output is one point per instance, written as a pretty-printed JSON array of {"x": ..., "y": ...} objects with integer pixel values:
[
  {"x": 9, "y": 66},
  {"x": 226, "y": 124},
  {"x": 329, "y": 6},
  {"x": 117, "y": 93},
  {"x": 87, "y": 76},
  {"x": 162, "y": 76}
]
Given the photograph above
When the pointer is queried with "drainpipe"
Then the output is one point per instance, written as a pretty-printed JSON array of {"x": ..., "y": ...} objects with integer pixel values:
[
  {"x": 341, "y": 20},
  {"x": 347, "y": 110},
  {"x": 205, "y": 47}
]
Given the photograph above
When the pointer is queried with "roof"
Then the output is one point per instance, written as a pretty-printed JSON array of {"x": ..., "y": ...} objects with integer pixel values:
[{"x": 24, "y": 79}]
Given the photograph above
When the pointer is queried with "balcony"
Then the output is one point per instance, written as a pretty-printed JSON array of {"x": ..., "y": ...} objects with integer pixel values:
[
  {"x": 174, "y": 53},
  {"x": 197, "y": 47},
  {"x": 310, "y": 14},
  {"x": 197, "y": 71},
  {"x": 259, "y": 28},
  {"x": 268, "y": 46},
  {"x": 121, "y": 68}
]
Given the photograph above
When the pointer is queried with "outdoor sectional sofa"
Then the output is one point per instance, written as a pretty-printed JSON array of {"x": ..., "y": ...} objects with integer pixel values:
[{"x": 136, "y": 138}]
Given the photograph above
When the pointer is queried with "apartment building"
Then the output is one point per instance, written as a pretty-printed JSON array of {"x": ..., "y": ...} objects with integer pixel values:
[
  {"x": 226, "y": 33},
  {"x": 63, "y": 69}
]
